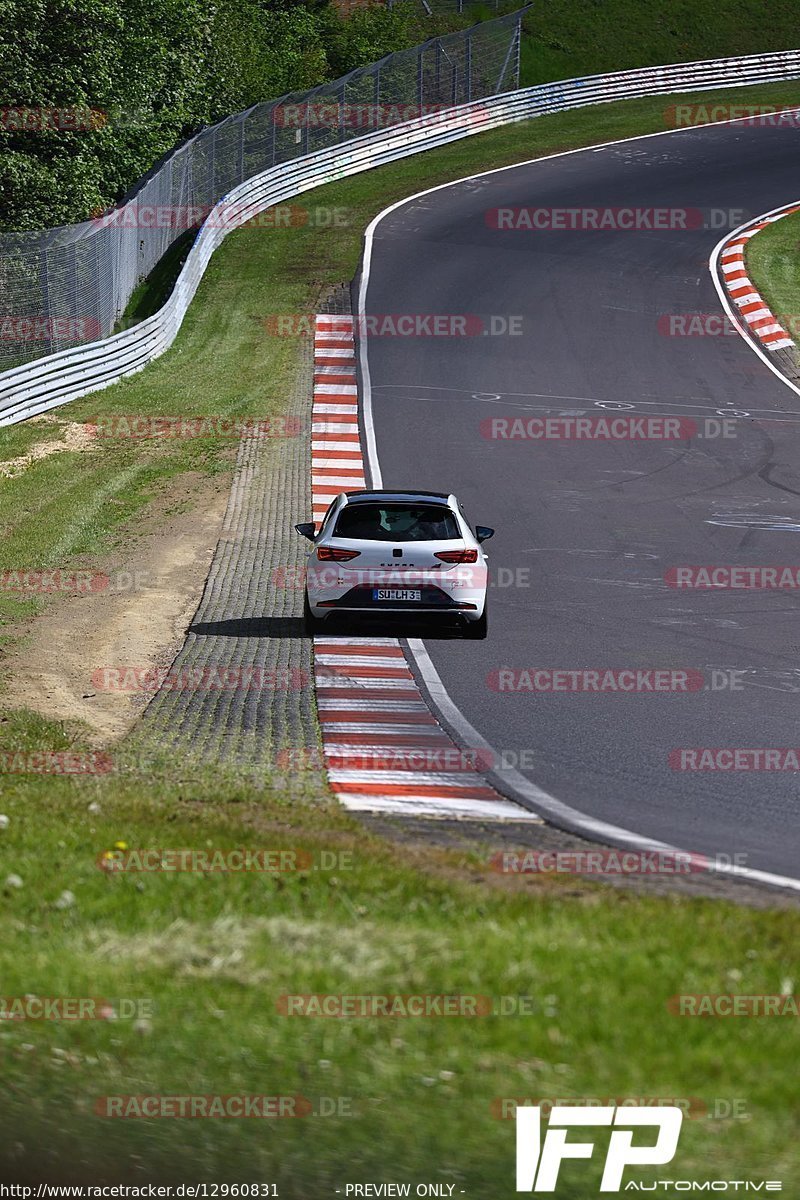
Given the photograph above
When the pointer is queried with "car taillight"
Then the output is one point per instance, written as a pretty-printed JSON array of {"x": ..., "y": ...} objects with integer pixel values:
[
  {"x": 458, "y": 556},
  {"x": 333, "y": 554}
]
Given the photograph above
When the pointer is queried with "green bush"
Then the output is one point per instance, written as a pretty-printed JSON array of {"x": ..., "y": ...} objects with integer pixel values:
[{"x": 144, "y": 74}]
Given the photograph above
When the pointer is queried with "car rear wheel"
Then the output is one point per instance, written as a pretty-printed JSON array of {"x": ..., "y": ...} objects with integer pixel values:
[
  {"x": 477, "y": 630},
  {"x": 311, "y": 624}
]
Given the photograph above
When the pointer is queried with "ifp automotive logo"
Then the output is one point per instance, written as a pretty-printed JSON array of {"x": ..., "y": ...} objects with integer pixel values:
[{"x": 538, "y": 1161}]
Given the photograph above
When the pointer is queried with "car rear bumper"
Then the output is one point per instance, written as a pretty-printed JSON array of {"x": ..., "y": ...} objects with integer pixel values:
[{"x": 433, "y": 601}]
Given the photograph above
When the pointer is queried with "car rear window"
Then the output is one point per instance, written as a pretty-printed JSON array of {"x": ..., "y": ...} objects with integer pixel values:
[{"x": 398, "y": 523}]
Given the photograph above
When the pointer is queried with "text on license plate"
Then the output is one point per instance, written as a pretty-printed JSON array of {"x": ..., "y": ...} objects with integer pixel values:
[{"x": 396, "y": 594}]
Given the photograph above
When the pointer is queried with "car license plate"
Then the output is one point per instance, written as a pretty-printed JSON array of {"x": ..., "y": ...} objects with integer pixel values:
[{"x": 396, "y": 594}]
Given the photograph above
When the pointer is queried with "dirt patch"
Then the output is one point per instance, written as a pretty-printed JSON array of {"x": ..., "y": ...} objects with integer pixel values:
[
  {"x": 139, "y": 620},
  {"x": 76, "y": 437}
]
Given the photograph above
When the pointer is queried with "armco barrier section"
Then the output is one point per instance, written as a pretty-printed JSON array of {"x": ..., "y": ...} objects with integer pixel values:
[{"x": 66, "y": 375}]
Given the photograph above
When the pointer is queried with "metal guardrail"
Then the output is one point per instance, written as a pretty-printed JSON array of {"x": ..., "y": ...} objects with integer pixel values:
[{"x": 66, "y": 375}]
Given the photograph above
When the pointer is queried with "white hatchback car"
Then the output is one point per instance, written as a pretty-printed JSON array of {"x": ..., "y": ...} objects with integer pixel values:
[{"x": 398, "y": 553}]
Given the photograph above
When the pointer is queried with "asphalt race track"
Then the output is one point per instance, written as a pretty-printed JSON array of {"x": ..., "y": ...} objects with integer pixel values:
[{"x": 586, "y": 530}]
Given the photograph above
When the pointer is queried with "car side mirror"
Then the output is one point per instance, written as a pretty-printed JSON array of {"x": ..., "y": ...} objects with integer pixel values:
[
  {"x": 306, "y": 530},
  {"x": 483, "y": 533}
]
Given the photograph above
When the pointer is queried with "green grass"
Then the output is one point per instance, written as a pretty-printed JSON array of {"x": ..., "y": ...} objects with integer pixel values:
[
  {"x": 567, "y": 38},
  {"x": 773, "y": 261},
  {"x": 215, "y": 952}
]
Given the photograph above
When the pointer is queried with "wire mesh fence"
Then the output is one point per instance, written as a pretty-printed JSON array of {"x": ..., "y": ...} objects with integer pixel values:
[
  {"x": 451, "y": 6},
  {"x": 66, "y": 286}
]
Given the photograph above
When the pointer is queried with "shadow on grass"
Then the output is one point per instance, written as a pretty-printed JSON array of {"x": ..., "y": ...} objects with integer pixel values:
[{"x": 154, "y": 291}]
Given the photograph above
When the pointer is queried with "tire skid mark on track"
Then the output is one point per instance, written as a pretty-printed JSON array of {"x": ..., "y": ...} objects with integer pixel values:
[{"x": 385, "y": 750}]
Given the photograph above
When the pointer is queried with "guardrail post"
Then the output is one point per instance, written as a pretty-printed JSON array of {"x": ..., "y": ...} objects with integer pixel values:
[
  {"x": 74, "y": 278},
  {"x": 519, "y": 50},
  {"x": 212, "y": 164},
  {"x": 513, "y": 48},
  {"x": 189, "y": 184},
  {"x": 96, "y": 277},
  {"x": 44, "y": 284},
  {"x": 468, "y": 66},
  {"x": 240, "y": 159}
]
